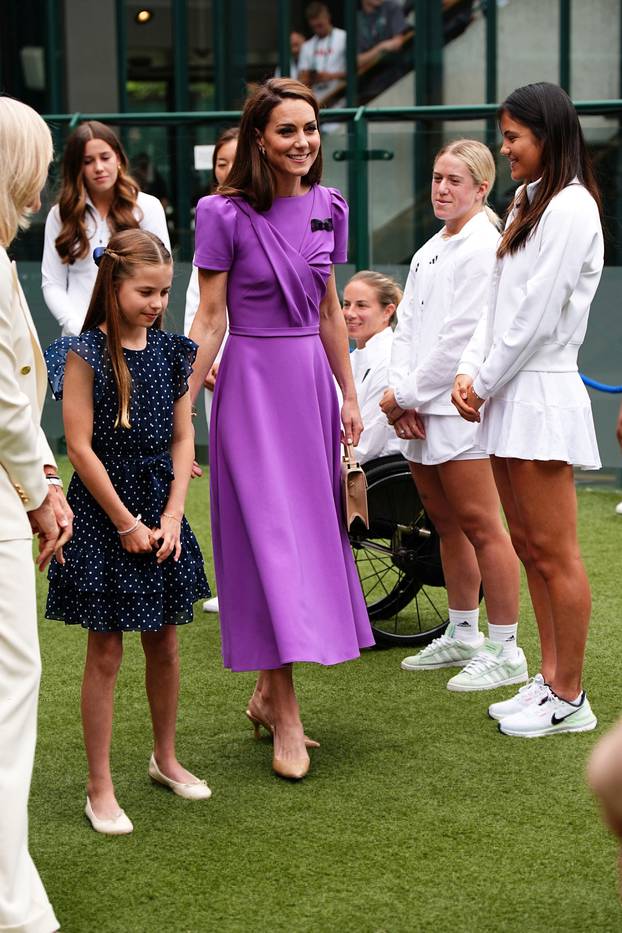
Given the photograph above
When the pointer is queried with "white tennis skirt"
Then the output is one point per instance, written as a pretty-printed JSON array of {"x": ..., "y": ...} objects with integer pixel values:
[
  {"x": 542, "y": 416},
  {"x": 447, "y": 437}
]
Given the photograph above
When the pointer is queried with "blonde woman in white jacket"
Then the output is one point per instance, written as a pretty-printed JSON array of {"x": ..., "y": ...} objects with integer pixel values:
[
  {"x": 521, "y": 365},
  {"x": 445, "y": 295}
]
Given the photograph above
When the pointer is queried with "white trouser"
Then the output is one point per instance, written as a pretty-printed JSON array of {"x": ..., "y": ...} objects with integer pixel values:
[{"x": 24, "y": 906}]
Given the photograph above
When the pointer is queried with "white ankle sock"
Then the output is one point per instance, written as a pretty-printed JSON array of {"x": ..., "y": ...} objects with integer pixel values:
[
  {"x": 466, "y": 622},
  {"x": 504, "y": 635}
]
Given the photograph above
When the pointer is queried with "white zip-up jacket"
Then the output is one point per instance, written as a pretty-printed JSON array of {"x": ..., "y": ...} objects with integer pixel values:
[
  {"x": 540, "y": 297},
  {"x": 445, "y": 295},
  {"x": 67, "y": 288}
]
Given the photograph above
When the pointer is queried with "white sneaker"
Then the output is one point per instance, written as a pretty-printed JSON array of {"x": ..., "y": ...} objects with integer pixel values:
[
  {"x": 533, "y": 691},
  {"x": 211, "y": 605},
  {"x": 550, "y": 715},
  {"x": 490, "y": 669},
  {"x": 446, "y": 651}
]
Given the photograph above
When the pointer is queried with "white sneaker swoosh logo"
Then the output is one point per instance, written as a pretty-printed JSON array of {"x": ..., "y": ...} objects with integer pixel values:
[{"x": 555, "y": 721}]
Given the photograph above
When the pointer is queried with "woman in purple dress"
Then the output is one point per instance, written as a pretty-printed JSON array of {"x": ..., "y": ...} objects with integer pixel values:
[{"x": 265, "y": 246}]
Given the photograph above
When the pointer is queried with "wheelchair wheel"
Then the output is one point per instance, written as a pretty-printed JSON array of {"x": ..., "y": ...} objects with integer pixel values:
[{"x": 398, "y": 559}]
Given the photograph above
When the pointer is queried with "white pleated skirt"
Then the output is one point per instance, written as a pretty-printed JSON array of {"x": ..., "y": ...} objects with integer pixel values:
[
  {"x": 448, "y": 437},
  {"x": 542, "y": 416}
]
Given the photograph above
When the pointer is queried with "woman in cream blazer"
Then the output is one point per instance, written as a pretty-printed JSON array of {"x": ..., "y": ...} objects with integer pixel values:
[{"x": 27, "y": 504}]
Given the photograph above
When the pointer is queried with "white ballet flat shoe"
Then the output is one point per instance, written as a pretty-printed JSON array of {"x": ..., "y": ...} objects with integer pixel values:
[
  {"x": 120, "y": 825},
  {"x": 197, "y": 790}
]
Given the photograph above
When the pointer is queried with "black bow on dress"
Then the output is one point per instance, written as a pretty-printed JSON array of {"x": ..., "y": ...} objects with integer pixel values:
[{"x": 321, "y": 225}]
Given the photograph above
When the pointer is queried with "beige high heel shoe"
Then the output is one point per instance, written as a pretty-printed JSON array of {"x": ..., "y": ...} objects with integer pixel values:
[
  {"x": 258, "y": 721},
  {"x": 291, "y": 770}
]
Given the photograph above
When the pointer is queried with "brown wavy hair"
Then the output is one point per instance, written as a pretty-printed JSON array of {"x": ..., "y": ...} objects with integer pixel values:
[
  {"x": 251, "y": 176},
  {"x": 72, "y": 242},
  {"x": 125, "y": 253},
  {"x": 549, "y": 113}
]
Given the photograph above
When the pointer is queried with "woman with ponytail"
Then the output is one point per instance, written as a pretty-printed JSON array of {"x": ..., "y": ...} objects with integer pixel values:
[
  {"x": 445, "y": 295},
  {"x": 97, "y": 198},
  {"x": 521, "y": 368},
  {"x": 134, "y": 563}
]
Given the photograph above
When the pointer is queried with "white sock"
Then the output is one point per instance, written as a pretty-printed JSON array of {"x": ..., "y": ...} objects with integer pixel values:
[
  {"x": 504, "y": 635},
  {"x": 466, "y": 622}
]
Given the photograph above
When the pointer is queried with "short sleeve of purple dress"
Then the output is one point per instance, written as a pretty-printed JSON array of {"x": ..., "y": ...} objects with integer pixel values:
[{"x": 288, "y": 588}]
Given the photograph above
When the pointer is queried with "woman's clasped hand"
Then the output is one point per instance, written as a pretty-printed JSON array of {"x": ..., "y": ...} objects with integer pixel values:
[
  {"x": 465, "y": 399},
  {"x": 408, "y": 423}
]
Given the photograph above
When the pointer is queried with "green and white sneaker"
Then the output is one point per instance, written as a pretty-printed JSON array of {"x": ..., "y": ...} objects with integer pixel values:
[
  {"x": 446, "y": 651},
  {"x": 549, "y": 716},
  {"x": 490, "y": 669}
]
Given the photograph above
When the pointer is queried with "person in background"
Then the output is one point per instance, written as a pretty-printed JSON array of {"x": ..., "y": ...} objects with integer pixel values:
[
  {"x": 370, "y": 300},
  {"x": 31, "y": 499},
  {"x": 296, "y": 41},
  {"x": 97, "y": 198},
  {"x": 446, "y": 293},
  {"x": 322, "y": 63},
  {"x": 222, "y": 160},
  {"x": 619, "y": 436},
  {"x": 381, "y": 31},
  {"x": 604, "y": 770},
  {"x": 604, "y": 774}
]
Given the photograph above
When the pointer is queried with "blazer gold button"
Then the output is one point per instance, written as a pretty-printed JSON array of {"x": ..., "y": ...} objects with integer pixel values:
[{"x": 25, "y": 370}]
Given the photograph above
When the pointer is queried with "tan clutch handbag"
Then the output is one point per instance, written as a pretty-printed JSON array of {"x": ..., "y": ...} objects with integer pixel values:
[{"x": 354, "y": 486}]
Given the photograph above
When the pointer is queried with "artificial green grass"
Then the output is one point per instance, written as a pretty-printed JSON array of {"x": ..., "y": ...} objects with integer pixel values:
[{"x": 417, "y": 814}]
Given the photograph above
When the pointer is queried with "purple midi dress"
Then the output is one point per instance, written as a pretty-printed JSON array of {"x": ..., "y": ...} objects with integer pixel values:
[{"x": 288, "y": 589}]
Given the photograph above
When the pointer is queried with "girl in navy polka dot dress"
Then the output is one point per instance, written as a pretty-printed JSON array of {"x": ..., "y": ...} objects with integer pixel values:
[{"x": 133, "y": 563}]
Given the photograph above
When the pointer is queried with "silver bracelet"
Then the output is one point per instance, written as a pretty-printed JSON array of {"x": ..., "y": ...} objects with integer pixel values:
[
  {"x": 52, "y": 480},
  {"x": 128, "y": 531}
]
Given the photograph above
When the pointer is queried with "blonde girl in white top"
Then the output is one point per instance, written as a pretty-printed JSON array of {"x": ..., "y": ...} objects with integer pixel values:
[
  {"x": 370, "y": 300},
  {"x": 445, "y": 296},
  {"x": 521, "y": 366},
  {"x": 97, "y": 198}
]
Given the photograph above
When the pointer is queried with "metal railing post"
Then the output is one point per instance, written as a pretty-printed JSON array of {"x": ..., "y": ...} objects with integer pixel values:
[
  {"x": 182, "y": 148},
  {"x": 220, "y": 57},
  {"x": 360, "y": 199},
  {"x": 121, "y": 29},
  {"x": 491, "y": 70},
  {"x": 564, "y": 44},
  {"x": 284, "y": 30}
]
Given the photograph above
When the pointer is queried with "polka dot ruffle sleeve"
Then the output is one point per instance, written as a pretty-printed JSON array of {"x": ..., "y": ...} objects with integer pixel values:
[
  {"x": 184, "y": 353},
  {"x": 86, "y": 347}
]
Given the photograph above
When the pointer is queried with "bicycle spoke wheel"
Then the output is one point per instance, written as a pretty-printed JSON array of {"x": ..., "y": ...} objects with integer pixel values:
[{"x": 398, "y": 559}]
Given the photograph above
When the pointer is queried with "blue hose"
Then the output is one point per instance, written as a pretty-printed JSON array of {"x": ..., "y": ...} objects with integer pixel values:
[{"x": 600, "y": 386}]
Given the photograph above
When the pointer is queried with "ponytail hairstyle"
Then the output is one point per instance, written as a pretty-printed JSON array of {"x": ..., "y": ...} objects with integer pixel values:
[
  {"x": 549, "y": 113},
  {"x": 125, "y": 254},
  {"x": 480, "y": 163},
  {"x": 387, "y": 290},
  {"x": 251, "y": 176},
  {"x": 72, "y": 242}
]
